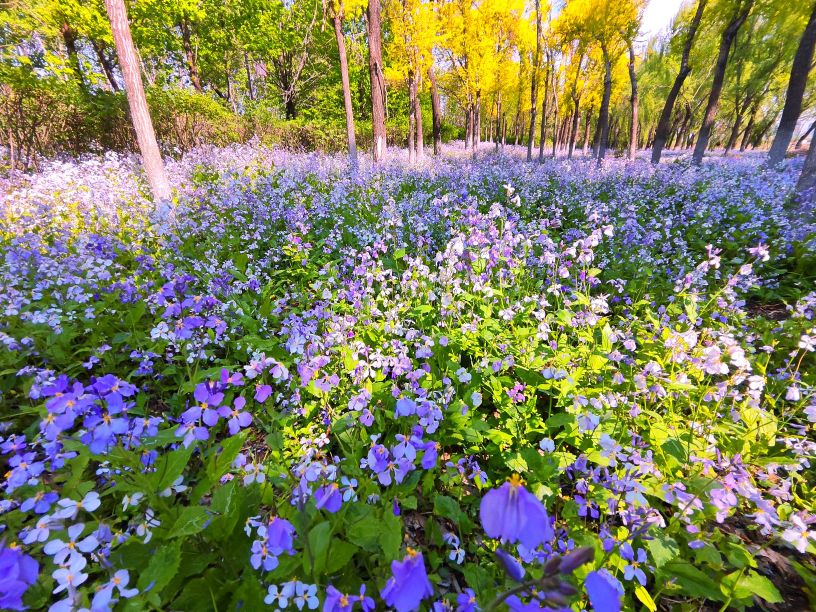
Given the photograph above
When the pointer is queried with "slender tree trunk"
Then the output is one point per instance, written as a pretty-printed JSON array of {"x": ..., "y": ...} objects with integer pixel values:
[
  {"x": 468, "y": 124},
  {"x": 587, "y": 122},
  {"x": 806, "y": 187},
  {"x": 337, "y": 19},
  {"x": 735, "y": 131},
  {"x": 69, "y": 38},
  {"x": 576, "y": 116},
  {"x": 544, "y": 112},
  {"x": 107, "y": 65},
  {"x": 436, "y": 113},
  {"x": 603, "y": 120},
  {"x": 499, "y": 119},
  {"x": 411, "y": 118},
  {"x": 664, "y": 123},
  {"x": 145, "y": 136},
  {"x": 555, "y": 112},
  {"x": 728, "y": 36},
  {"x": 633, "y": 100},
  {"x": 375, "y": 67},
  {"x": 534, "y": 83},
  {"x": 420, "y": 134},
  {"x": 796, "y": 91},
  {"x": 802, "y": 138},
  {"x": 189, "y": 53},
  {"x": 250, "y": 90},
  {"x": 477, "y": 122}
]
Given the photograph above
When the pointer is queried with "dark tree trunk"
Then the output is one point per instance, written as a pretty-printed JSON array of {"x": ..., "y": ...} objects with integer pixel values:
[
  {"x": 633, "y": 100},
  {"x": 544, "y": 111},
  {"x": 70, "y": 39},
  {"x": 573, "y": 134},
  {"x": 729, "y": 34},
  {"x": 664, "y": 123},
  {"x": 603, "y": 119},
  {"x": 411, "y": 118},
  {"x": 436, "y": 113},
  {"x": 420, "y": 133},
  {"x": 375, "y": 67},
  {"x": 189, "y": 53},
  {"x": 499, "y": 117},
  {"x": 337, "y": 19},
  {"x": 250, "y": 90},
  {"x": 803, "y": 136},
  {"x": 106, "y": 63},
  {"x": 796, "y": 91},
  {"x": 145, "y": 136},
  {"x": 534, "y": 84},
  {"x": 806, "y": 187},
  {"x": 587, "y": 121},
  {"x": 555, "y": 113}
]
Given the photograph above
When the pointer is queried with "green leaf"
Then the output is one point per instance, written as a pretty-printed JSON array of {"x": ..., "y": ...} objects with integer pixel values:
[
  {"x": 162, "y": 567},
  {"x": 319, "y": 540},
  {"x": 692, "y": 581},
  {"x": 761, "y": 587},
  {"x": 340, "y": 553},
  {"x": 365, "y": 533},
  {"x": 191, "y": 521},
  {"x": 663, "y": 549},
  {"x": 169, "y": 467},
  {"x": 390, "y": 537}
]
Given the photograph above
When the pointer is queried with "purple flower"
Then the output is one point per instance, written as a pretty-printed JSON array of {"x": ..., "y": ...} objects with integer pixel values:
[
  {"x": 238, "y": 419},
  {"x": 635, "y": 558},
  {"x": 329, "y": 498},
  {"x": 511, "y": 565},
  {"x": 513, "y": 514},
  {"x": 104, "y": 596},
  {"x": 262, "y": 392},
  {"x": 466, "y": 601},
  {"x": 62, "y": 550},
  {"x": 336, "y": 601},
  {"x": 209, "y": 400},
  {"x": 604, "y": 590},
  {"x": 18, "y": 571},
  {"x": 409, "y": 584}
]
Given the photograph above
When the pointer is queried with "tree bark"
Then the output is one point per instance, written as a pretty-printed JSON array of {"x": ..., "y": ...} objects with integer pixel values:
[
  {"x": 806, "y": 187},
  {"x": 107, "y": 65},
  {"x": 344, "y": 78},
  {"x": 633, "y": 99},
  {"x": 411, "y": 119},
  {"x": 603, "y": 119},
  {"x": 664, "y": 123},
  {"x": 555, "y": 111},
  {"x": 803, "y": 136},
  {"x": 587, "y": 121},
  {"x": 375, "y": 67},
  {"x": 544, "y": 111},
  {"x": 796, "y": 91},
  {"x": 499, "y": 117},
  {"x": 69, "y": 38},
  {"x": 534, "y": 83},
  {"x": 189, "y": 53},
  {"x": 420, "y": 134},
  {"x": 729, "y": 34},
  {"x": 576, "y": 116},
  {"x": 436, "y": 113},
  {"x": 477, "y": 123},
  {"x": 143, "y": 126}
]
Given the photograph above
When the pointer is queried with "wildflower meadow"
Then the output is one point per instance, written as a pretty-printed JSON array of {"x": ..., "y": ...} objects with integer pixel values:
[{"x": 460, "y": 385}]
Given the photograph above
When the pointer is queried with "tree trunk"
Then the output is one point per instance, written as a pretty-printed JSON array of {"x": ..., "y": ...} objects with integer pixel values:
[
  {"x": 587, "y": 121},
  {"x": 633, "y": 99},
  {"x": 603, "y": 120},
  {"x": 468, "y": 124},
  {"x": 534, "y": 84},
  {"x": 735, "y": 131},
  {"x": 337, "y": 19},
  {"x": 576, "y": 116},
  {"x": 729, "y": 34},
  {"x": 250, "y": 90},
  {"x": 189, "y": 53},
  {"x": 420, "y": 134},
  {"x": 664, "y": 123},
  {"x": 375, "y": 67},
  {"x": 107, "y": 65},
  {"x": 477, "y": 122},
  {"x": 555, "y": 111},
  {"x": 544, "y": 112},
  {"x": 411, "y": 119},
  {"x": 145, "y": 136},
  {"x": 498, "y": 119},
  {"x": 806, "y": 187},
  {"x": 796, "y": 91},
  {"x": 69, "y": 38},
  {"x": 436, "y": 112},
  {"x": 802, "y": 137}
]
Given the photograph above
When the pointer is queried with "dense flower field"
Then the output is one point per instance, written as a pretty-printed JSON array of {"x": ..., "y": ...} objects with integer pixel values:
[{"x": 466, "y": 386}]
